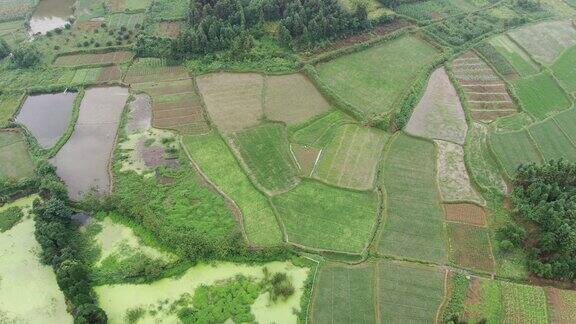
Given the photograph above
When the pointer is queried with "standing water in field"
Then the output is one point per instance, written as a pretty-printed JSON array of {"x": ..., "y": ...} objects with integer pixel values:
[
  {"x": 50, "y": 14},
  {"x": 47, "y": 116},
  {"x": 83, "y": 161}
]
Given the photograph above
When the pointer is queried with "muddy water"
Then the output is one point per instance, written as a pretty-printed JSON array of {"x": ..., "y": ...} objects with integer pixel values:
[
  {"x": 47, "y": 116},
  {"x": 50, "y": 14},
  {"x": 82, "y": 163}
]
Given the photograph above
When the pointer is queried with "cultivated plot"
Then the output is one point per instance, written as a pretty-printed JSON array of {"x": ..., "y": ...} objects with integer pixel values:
[
  {"x": 482, "y": 166},
  {"x": 351, "y": 158},
  {"x": 514, "y": 149},
  {"x": 374, "y": 79},
  {"x": 94, "y": 134},
  {"x": 47, "y": 116},
  {"x": 453, "y": 179},
  {"x": 30, "y": 293},
  {"x": 323, "y": 217},
  {"x": 567, "y": 122},
  {"x": 540, "y": 95},
  {"x": 439, "y": 114},
  {"x": 515, "y": 55},
  {"x": 306, "y": 158},
  {"x": 320, "y": 131},
  {"x": 9, "y": 103},
  {"x": 561, "y": 305},
  {"x": 545, "y": 41},
  {"x": 15, "y": 161},
  {"x": 409, "y": 293},
  {"x": 292, "y": 99},
  {"x": 266, "y": 153},
  {"x": 465, "y": 213},
  {"x": 344, "y": 295},
  {"x": 217, "y": 162},
  {"x": 523, "y": 304},
  {"x": 92, "y": 59},
  {"x": 470, "y": 247},
  {"x": 413, "y": 225},
  {"x": 485, "y": 92},
  {"x": 109, "y": 73},
  {"x": 154, "y": 70},
  {"x": 483, "y": 301},
  {"x": 233, "y": 100},
  {"x": 169, "y": 29}
]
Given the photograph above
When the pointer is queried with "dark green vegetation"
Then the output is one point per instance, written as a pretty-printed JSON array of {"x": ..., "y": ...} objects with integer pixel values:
[
  {"x": 9, "y": 218},
  {"x": 544, "y": 197}
]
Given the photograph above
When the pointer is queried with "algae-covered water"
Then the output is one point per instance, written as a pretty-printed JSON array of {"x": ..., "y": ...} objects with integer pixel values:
[
  {"x": 116, "y": 300},
  {"x": 28, "y": 289}
]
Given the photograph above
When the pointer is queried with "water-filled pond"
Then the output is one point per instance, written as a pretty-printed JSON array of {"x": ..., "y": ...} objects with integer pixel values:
[
  {"x": 50, "y": 14},
  {"x": 47, "y": 116},
  {"x": 83, "y": 161}
]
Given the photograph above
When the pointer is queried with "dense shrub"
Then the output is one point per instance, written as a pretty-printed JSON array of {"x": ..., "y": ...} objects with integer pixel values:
[
  {"x": 26, "y": 56},
  {"x": 545, "y": 197},
  {"x": 9, "y": 218},
  {"x": 4, "y": 49},
  {"x": 495, "y": 58}
]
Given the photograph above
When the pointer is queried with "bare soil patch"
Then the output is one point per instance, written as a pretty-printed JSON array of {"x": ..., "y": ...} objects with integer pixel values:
[
  {"x": 439, "y": 114},
  {"x": 156, "y": 74},
  {"x": 470, "y": 247},
  {"x": 465, "y": 213},
  {"x": 140, "y": 115},
  {"x": 378, "y": 32},
  {"x": 306, "y": 157},
  {"x": 90, "y": 59},
  {"x": 83, "y": 26},
  {"x": 292, "y": 99},
  {"x": 110, "y": 73},
  {"x": 170, "y": 28},
  {"x": 233, "y": 100}
]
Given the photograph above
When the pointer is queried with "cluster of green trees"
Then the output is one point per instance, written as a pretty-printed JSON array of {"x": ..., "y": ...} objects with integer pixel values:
[
  {"x": 56, "y": 235},
  {"x": 545, "y": 197},
  {"x": 4, "y": 49},
  {"x": 233, "y": 26},
  {"x": 9, "y": 218}
]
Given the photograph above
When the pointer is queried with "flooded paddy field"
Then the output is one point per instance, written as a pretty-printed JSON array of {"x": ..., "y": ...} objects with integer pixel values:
[
  {"x": 50, "y": 14},
  {"x": 94, "y": 136},
  {"x": 47, "y": 116},
  {"x": 28, "y": 289}
]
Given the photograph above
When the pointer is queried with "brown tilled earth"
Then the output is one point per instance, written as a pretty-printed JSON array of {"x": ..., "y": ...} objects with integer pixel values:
[
  {"x": 110, "y": 73},
  {"x": 170, "y": 28},
  {"x": 306, "y": 158},
  {"x": 88, "y": 59},
  {"x": 473, "y": 296},
  {"x": 470, "y": 247},
  {"x": 465, "y": 213}
]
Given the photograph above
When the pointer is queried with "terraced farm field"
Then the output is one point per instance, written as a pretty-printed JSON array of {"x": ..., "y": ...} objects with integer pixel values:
[
  {"x": 319, "y": 132},
  {"x": 372, "y": 80},
  {"x": 514, "y": 149},
  {"x": 323, "y": 217},
  {"x": 413, "y": 227},
  {"x": 564, "y": 68},
  {"x": 485, "y": 93},
  {"x": 351, "y": 158},
  {"x": 545, "y": 41},
  {"x": 525, "y": 304},
  {"x": 9, "y": 103},
  {"x": 470, "y": 247},
  {"x": 439, "y": 114}
]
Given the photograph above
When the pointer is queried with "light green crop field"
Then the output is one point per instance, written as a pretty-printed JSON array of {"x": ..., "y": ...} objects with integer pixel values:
[
  {"x": 470, "y": 247},
  {"x": 565, "y": 70},
  {"x": 545, "y": 41},
  {"x": 484, "y": 301},
  {"x": 319, "y": 216},
  {"x": 515, "y": 55},
  {"x": 552, "y": 142},
  {"x": 266, "y": 152},
  {"x": 524, "y": 304},
  {"x": 218, "y": 163},
  {"x": 351, "y": 158},
  {"x": 540, "y": 95},
  {"x": 409, "y": 293},
  {"x": 15, "y": 160},
  {"x": 344, "y": 295},
  {"x": 437, "y": 9},
  {"x": 513, "y": 149},
  {"x": 372, "y": 80},
  {"x": 319, "y": 132},
  {"x": 567, "y": 122},
  {"x": 561, "y": 305},
  {"x": 9, "y": 103},
  {"x": 413, "y": 226}
]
